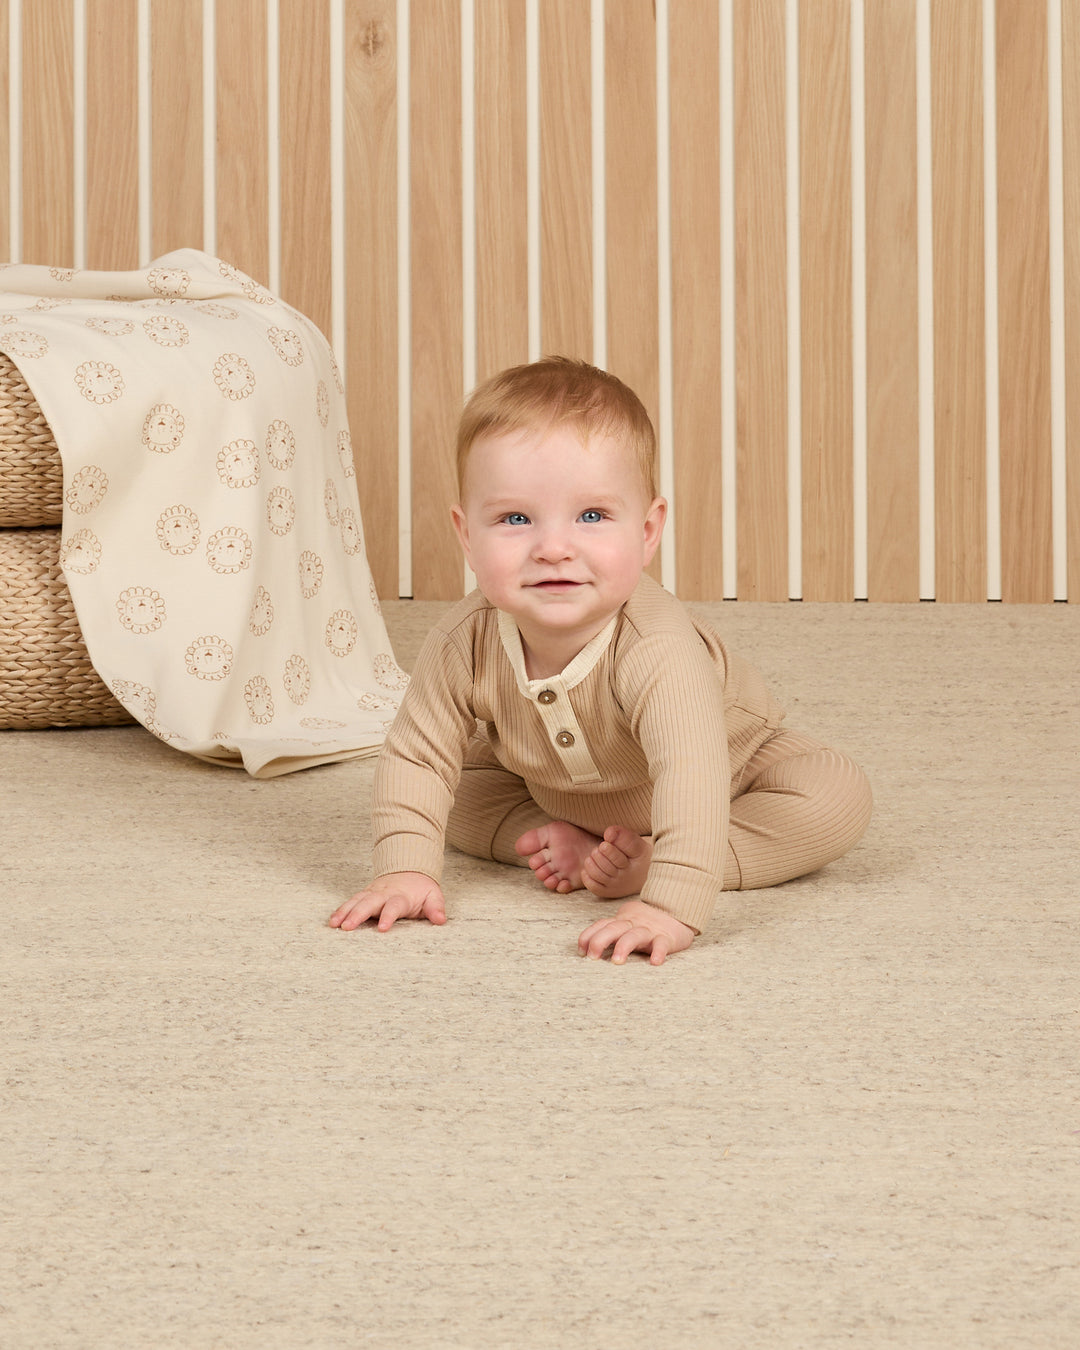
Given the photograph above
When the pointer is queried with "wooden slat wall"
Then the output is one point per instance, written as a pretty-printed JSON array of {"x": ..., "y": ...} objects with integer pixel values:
[
  {"x": 5, "y": 131},
  {"x": 892, "y": 302},
  {"x": 695, "y": 290},
  {"x": 176, "y": 125},
  {"x": 959, "y": 303},
  {"x": 761, "y": 304},
  {"x": 1070, "y": 65},
  {"x": 382, "y": 216},
  {"x": 371, "y": 262},
  {"x": 112, "y": 135}
]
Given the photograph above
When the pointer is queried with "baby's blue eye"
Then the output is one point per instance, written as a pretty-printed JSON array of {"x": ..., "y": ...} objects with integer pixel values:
[
  {"x": 516, "y": 518},
  {"x": 592, "y": 517}
]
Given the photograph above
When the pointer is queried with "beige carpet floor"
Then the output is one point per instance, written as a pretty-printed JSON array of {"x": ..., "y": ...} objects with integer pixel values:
[{"x": 848, "y": 1116}]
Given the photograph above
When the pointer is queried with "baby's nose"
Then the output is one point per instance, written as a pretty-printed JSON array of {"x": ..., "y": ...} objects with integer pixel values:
[{"x": 554, "y": 543}]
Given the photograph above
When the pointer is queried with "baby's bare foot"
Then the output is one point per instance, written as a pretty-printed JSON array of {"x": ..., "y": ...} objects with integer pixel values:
[
  {"x": 618, "y": 865},
  {"x": 557, "y": 853}
]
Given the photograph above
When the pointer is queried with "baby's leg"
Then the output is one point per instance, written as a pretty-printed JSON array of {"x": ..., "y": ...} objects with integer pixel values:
[
  {"x": 800, "y": 805},
  {"x": 495, "y": 817},
  {"x": 492, "y": 808},
  {"x": 567, "y": 858}
]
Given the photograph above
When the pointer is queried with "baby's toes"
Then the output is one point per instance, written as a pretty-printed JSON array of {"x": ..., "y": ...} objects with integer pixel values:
[
  {"x": 624, "y": 841},
  {"x": 611, "y": 854}
]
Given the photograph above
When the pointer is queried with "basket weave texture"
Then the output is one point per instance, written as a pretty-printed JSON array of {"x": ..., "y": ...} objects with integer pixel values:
[
  {"x": 31, "y": 470},
  {"x": 46, "y": 679}
]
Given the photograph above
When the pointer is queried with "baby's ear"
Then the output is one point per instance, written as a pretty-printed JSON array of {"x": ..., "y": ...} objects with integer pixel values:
[
  {"x": 461, "y": 526},
  {"x": 654, "y": 526}
]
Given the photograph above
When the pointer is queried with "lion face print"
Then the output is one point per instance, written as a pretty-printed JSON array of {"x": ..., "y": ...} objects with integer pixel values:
[
  {"x": 341, "y": 632},
  {"x": 262, "y": 613},
  {"x": 163, "y": 428},
  {"x": 351, "y": 537},
  {"x": 117, "y": 328},
  {"x": 388, "y": 673},
  {"x": 172, "y": 281},
  {"x": 216, "y": 310},
  {"x": 330, "y": 501},
  {"x": 21, "y": 342},
  {"x": 99, "y": 382},
  {"x": 259, "y": 700},
  {"x": 140, "y": 701},
  {"x": 166, "y": 331},
  {"x": 209, "y": 658},
  {"x": 311, "y": 573},
  {"x": 233, "y": 376},
  {"x": 238, "y": 464},
  {"x": 288, "y": 345},
  {"x": 280, "y": 444},
  {"x": 345, "y": 454},
  {"x": 87, "y": 489},
  {"x": 322, "y": 403},
  {"x": 375, "y": 702},
  {"x": 297, "y": 679},
  {"x": 336, "y": 369},
  {"x": 178, "y": 531},
  {"x": 140, "y": 609},
  {"x": 280, "y": 510},
  {"x": 229, "y": 550},
  {"x": 81, "y": 552}
]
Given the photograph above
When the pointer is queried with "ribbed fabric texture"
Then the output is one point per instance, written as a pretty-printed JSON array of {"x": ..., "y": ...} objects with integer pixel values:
[{"x": 672, "y": 724}]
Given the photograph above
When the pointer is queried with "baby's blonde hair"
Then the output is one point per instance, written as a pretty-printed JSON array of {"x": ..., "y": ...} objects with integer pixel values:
[{"x": 559, "y": 391}]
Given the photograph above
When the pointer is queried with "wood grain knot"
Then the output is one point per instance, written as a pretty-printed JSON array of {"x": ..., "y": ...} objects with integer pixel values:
[{"x": 374, "y": 38}]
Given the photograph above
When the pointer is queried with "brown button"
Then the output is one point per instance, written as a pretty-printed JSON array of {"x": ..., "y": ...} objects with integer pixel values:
[
  {"x": 565, "y": 739},
  {"x": 547, "y": 696}
]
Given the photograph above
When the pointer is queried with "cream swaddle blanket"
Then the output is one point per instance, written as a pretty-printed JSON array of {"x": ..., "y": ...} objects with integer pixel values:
[{"x": 211, "y": 540}]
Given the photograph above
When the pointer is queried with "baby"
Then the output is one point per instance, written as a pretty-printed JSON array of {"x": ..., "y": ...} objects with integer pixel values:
[{"x": 570, "y": 715}]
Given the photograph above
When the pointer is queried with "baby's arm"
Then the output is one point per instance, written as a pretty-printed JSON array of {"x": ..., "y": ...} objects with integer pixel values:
[
  {"x": 636, "y": 927},
  {"x": 398, "y": 895}
]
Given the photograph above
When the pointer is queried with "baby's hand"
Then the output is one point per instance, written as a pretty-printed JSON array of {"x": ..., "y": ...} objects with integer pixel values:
[
  {"x": 637, "y": 927},
  {"x": 397, "y": 895}
]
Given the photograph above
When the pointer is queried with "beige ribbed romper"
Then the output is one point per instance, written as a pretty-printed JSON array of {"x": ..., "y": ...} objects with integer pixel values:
[{"x": 654, "y": 725}]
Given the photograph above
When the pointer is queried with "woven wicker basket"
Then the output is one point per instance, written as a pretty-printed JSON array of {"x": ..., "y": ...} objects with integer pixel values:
[
  {"x": 46, "y": 679},
  {"x": 31, "y": 472}
]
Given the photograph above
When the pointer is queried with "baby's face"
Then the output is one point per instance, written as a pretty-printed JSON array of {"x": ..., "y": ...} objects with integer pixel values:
[{"x": 557, "y": 532}]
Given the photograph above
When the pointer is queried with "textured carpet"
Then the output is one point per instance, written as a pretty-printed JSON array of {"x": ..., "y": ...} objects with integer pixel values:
[{"x": 847, "y": 1116}]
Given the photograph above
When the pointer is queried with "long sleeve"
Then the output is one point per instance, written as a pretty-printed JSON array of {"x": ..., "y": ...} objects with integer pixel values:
[
  {"x": 420, "y": 763},
  {"x": 675, "y": 701}
]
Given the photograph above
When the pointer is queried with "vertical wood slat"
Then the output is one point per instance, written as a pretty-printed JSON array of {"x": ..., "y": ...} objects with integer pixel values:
[
  {"x": 633, "y": 340},
  {"x": 5, "y": 134},
  {"x": 176, "y": 126},
  {"x": 566, "y": 260},
  {"x": 761, "y": 317},
  {"x": 370, "y": 358},
  {"x": 826, "y": 346},
  {"x": 630, "y": 190},
  {"x": 1024, "y": 301},
  {"x": 892, "y": 302},
  {"x": 694, "y": 82},
  {"x": 959, "y": 303},
  {"x": 435, "y": 192},
  {"x": 242, "y": 192},
  {"x": 1070, "y": 71},
  {"x": 112, "y": 135},
  {"x": 304, "y": 156},
  {"x": 48, "y": 190},
  {"x": 502, "y": 259}
]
